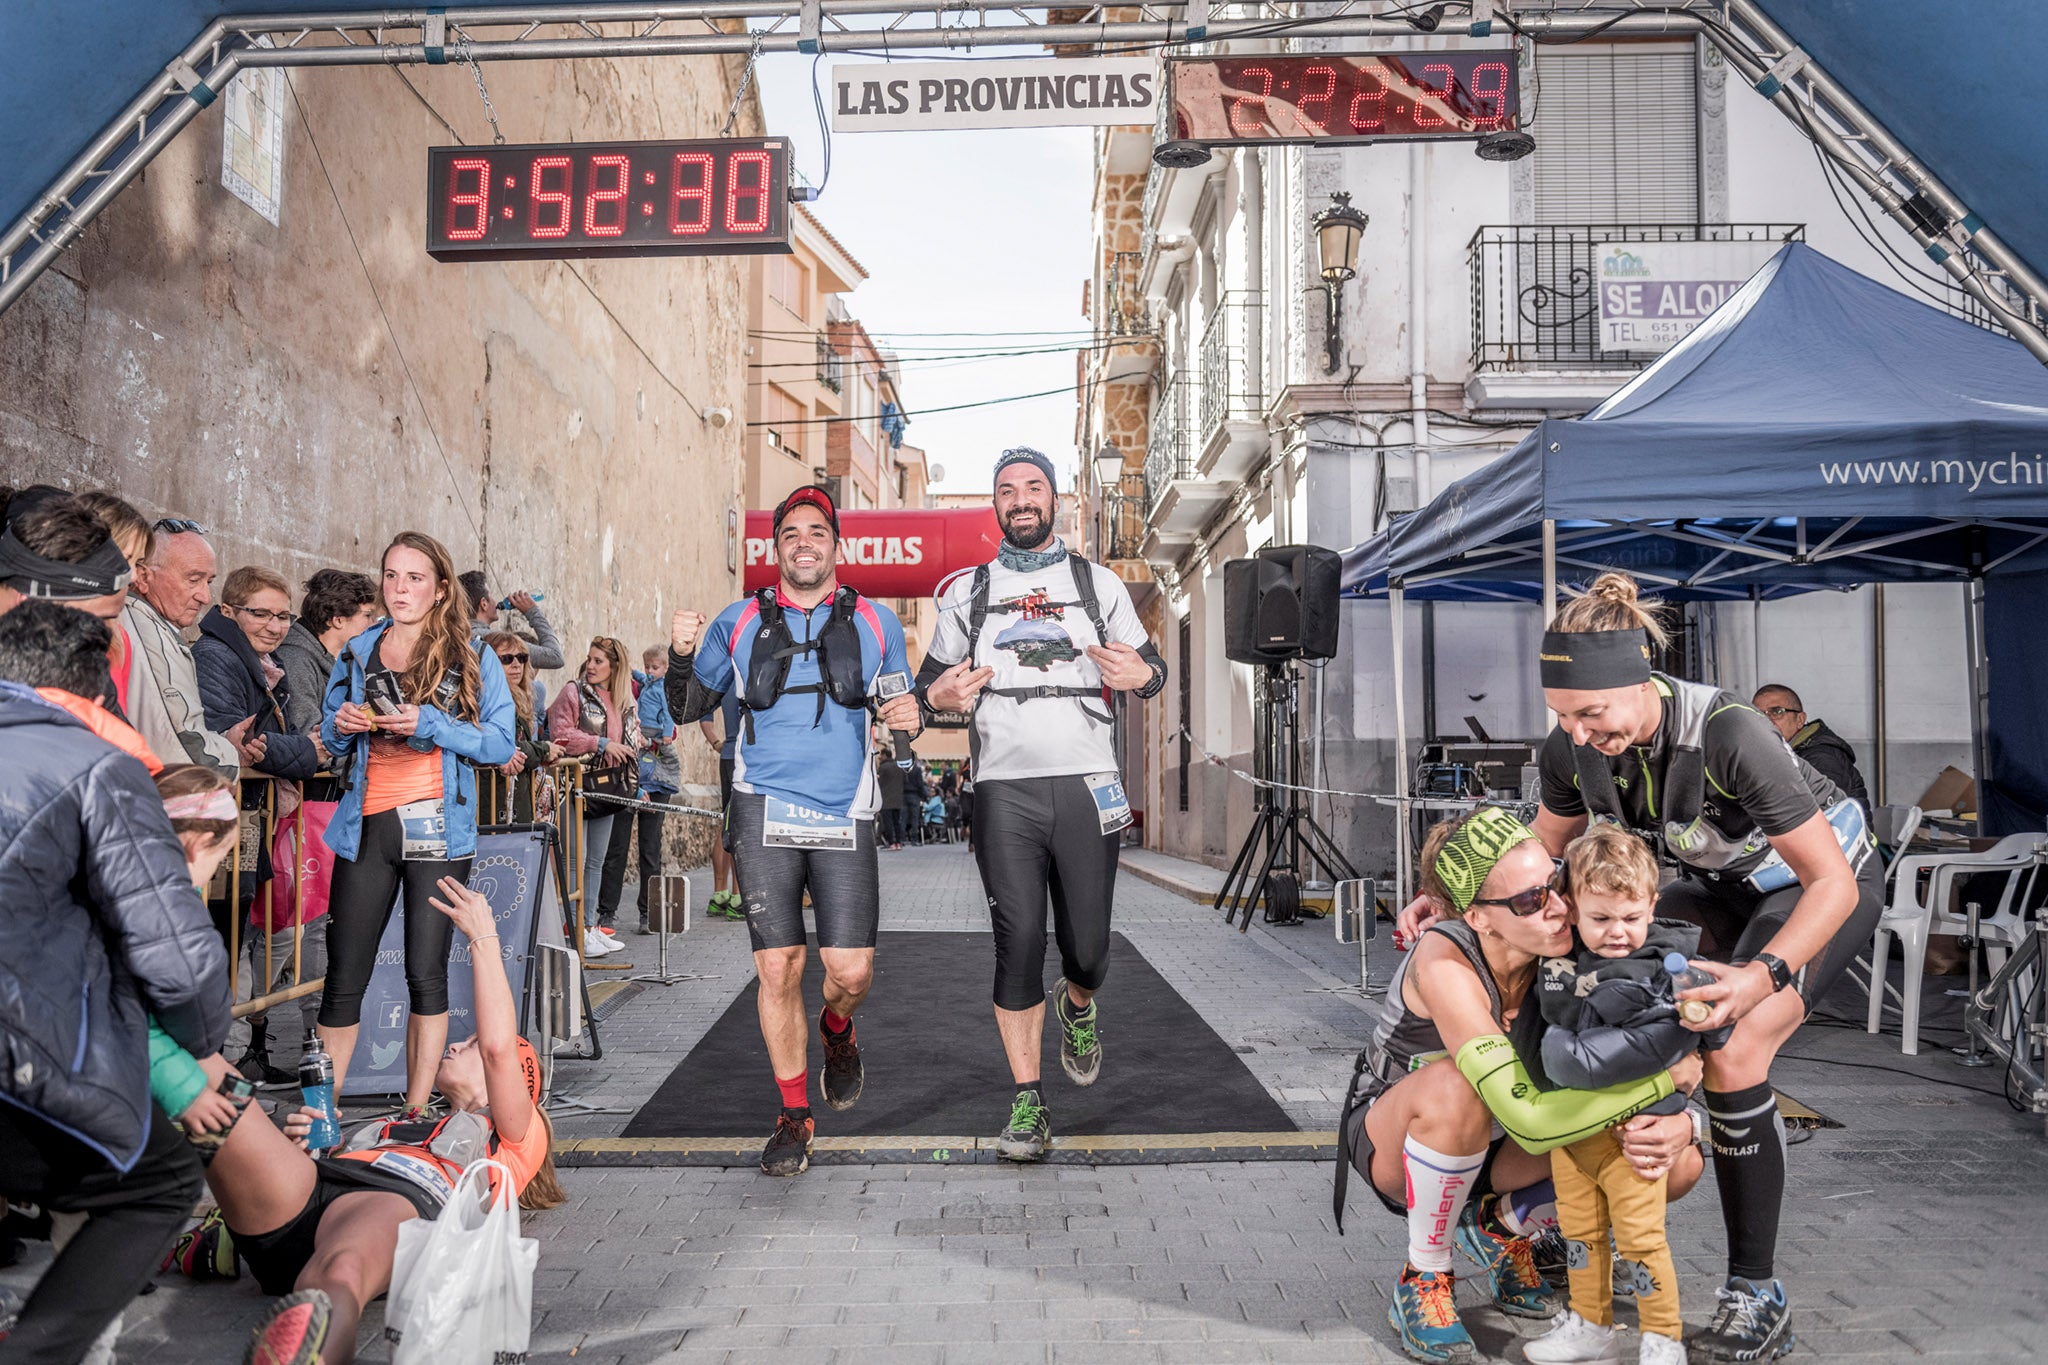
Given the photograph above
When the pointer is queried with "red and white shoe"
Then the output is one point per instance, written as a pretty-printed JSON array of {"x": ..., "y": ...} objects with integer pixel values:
[{"x": 294, "y": 1332}]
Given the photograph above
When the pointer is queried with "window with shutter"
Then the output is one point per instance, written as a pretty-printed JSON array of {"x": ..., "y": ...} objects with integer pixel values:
[{"x": 1617, "y": 135}]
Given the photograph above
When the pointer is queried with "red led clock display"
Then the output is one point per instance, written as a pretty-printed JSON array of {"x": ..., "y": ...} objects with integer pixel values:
[
  {"x": 711, "y": 197},
  {"x": 1330, "y": 97}
]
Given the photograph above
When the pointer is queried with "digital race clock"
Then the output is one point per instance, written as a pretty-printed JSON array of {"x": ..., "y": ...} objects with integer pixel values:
[
  {"x": 712, "y": 197},
  {"x": 1327, "y": 97}
]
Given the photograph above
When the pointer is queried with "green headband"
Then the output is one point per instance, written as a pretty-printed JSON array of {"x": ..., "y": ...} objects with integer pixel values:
[{"x": 1471, "y": 852}]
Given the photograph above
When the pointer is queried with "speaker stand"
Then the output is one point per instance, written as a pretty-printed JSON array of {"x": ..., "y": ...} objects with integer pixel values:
[{"x": 1285, "y": 840}]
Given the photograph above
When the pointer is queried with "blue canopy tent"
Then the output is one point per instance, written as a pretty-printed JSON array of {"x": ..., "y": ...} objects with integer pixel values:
[{"x": 1818, "y": 430}]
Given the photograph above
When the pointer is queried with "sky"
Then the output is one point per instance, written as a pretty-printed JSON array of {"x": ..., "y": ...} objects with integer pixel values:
[{"x": 984, "y": 233}]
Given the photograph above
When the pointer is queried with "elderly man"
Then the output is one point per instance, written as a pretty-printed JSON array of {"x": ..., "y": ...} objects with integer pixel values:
[
  {"x": 176, "y": 587},
  {"x": 1826, "y": 752}
]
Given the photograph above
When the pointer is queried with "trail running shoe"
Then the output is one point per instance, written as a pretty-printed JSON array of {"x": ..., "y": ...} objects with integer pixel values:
[
  {"x": 726, "y": 905},
  {"x": 1751, "y": 1322},
  {"x": 1080, "y": 1049},
  {"x": 1029, "y": 1132},
  {"x": 293, "y": 1333},
  {"x": 789, "y": 1149},
  {"x": 1425, "y": 1313},
  {"x": 841, "y": 1080},
  {"x": 1572, "y": 1340},
  {"x": 1509, "y": 1264},
  {"x": 204, "y": 1251}
]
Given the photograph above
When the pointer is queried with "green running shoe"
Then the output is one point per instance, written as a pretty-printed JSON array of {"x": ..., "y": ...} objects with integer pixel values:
[
  {"x": 1080, "y": 1048},
  {"x": 1030, "y": 1130},
  {"x": 726, "y": 905},
  {"x": 1425, "y": 1313},
  {"x": 1509, "y": 1263}
]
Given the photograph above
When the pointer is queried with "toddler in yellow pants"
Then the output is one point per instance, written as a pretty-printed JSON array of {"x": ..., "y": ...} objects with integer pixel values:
[{"x": 1607, "y": 1017}]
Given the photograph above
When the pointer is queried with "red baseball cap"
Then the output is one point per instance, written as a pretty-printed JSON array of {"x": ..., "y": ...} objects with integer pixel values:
[{"x": 810, "y": 495}]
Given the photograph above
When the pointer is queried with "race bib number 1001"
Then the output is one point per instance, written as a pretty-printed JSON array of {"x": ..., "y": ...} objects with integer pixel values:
[{"x": 786, "y": 825}]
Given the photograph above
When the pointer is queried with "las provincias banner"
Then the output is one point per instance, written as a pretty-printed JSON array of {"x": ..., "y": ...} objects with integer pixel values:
[
  {"x": 881, "y": 97},
  {"x": 901, "y": 552}
]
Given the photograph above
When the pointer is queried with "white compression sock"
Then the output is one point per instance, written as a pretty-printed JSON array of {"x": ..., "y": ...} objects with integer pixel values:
[{"x": 1437, "y": 1188}]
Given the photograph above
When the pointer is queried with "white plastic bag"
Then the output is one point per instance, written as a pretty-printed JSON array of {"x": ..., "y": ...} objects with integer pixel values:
[{"x": 462, "y": 1285}]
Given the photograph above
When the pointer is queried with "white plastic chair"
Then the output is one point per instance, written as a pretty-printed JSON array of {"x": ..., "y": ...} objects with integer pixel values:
[
  {"x": 1895, "y": 827},
  {"x": 1913, "y": 914}
]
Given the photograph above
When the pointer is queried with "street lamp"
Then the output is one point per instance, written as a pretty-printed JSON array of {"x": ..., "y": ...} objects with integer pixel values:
[
  {"x": 1338, "y": 229},
  {"x": 1109, "y": 478}
]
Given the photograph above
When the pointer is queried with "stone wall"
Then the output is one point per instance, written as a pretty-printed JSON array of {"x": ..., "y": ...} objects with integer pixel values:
[{"x": 306, "y": 390}]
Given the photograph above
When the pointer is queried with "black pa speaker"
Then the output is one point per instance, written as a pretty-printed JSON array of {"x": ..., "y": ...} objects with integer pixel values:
[{"x": 1282, "y": 604}]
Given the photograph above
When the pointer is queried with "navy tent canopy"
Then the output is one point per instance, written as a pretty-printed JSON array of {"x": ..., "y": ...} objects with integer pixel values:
[{"x": 1819, "y": 429}]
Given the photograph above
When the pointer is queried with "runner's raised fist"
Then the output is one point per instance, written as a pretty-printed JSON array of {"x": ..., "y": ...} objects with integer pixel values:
[{"x": 683, "y": 629}]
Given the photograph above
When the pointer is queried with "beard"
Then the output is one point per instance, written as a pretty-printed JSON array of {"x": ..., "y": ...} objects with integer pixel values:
[
  {"x": 1036, "y": 531},
  {"x": 807, "y": 578}
]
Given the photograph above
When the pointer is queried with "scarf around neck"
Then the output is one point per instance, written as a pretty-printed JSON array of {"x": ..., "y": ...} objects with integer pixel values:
[{"x": 1029, "y": 561}]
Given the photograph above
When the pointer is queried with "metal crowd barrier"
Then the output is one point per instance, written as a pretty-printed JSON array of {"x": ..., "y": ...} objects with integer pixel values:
[{"x": 265, "y": 837}]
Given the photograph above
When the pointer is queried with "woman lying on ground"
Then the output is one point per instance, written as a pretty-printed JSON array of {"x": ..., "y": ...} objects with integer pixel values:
[
  {"x": 1444, "y": 1122},
  {"x": 322, "y": 1231},
  {"x": 1775, "y": 867}
]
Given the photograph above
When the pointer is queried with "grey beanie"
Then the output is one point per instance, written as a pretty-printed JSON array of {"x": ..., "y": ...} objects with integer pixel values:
[{"x": 1026, "y": 455}]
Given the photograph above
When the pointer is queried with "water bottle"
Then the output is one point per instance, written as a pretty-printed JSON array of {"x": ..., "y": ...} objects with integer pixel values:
[
  {"x": 316, "y": 1087},
  {"x": 1684, "y": 977},
  {"x": 506, "y": 604}
]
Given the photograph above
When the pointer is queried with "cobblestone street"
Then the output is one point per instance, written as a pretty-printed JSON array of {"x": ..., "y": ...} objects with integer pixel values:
[{"x": 1918, "y": 1228}]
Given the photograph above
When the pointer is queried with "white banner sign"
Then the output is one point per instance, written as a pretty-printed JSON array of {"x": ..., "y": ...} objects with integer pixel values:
[
  {"x": 1652, "y": 294},
  {"x": 1034, "y": 93}
]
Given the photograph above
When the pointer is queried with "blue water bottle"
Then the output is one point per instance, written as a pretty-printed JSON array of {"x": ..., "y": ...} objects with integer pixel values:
[
  {"x": 316, "y": 1087},
  {"x": 1685, "y": 977}
]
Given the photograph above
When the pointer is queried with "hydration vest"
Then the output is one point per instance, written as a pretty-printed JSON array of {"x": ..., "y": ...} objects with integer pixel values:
[
  {"x": 1084, "y": 590},
  {"x": 1676, "y": 811},
  {"x": 837, "y": 645}
]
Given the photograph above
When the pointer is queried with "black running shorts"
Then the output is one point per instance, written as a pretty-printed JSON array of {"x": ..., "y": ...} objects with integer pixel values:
[
  {"x": 1034, "y": 836},
  {"x": 276, "y": 1257},
  {"x": 1736, "y": 923},
  {"x": 846, "y": 897}
]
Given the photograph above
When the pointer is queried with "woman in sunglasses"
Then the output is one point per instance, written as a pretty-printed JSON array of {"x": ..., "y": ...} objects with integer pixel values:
[
  {"x": 1442, "y": 1121},
  {"x": 531, "y": 749}
]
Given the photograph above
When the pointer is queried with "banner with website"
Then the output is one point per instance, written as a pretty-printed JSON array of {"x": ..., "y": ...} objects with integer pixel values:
[{"x": 1652, "y": 294}]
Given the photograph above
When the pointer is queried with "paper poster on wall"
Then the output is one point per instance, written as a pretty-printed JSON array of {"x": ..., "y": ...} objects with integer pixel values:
[
  {"x": 252, "y": 138},
  {"x": 874, "y": 97},
  {"x": 1652, "y": 294}
]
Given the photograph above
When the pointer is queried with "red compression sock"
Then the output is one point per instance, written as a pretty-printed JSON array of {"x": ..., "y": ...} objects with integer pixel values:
[
  {"x": 796, "y": 1090},
  {"x": 834, "y": 1024}
]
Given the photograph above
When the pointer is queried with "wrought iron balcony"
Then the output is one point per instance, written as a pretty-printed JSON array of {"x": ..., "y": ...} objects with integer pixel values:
[
  {"x": 1230, "y": 431},
  {"x": 1534, "y": 304},
  {"x": 1169, "y": 456},
  {"x": 831, "y": 366}
]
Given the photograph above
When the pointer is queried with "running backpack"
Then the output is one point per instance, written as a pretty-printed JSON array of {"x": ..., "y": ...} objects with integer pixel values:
[
  {"x": 977, "y": 612},
  {"x": 837, "y": 644}
]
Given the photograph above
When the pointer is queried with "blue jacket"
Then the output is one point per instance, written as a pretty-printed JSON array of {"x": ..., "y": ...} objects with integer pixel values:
[
  {"x": 487, "y": 743},
  {"x": 661, "y": 773},
  {"x": 99, "y": 929},
  {"x": 231, "y": 690}
]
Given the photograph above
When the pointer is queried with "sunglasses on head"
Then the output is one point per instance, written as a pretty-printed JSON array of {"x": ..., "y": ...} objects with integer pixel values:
[
  {"x": 1526, "y": 903},
  {"x": 178, "y": 526}
]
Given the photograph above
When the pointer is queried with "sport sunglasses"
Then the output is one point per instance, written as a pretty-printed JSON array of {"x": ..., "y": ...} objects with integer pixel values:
[{"x": 1526, "y": 903}]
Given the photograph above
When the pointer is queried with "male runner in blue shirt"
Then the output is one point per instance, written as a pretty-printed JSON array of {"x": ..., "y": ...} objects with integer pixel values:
[{"x": 807, "y": 661}]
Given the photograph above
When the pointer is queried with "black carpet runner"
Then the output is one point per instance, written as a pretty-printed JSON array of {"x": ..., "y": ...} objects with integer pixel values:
[{"x": 935, "y": 1065}]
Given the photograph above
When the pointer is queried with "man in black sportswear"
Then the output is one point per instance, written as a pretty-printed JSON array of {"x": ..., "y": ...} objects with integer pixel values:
[{"x": 1033, "y": 644}]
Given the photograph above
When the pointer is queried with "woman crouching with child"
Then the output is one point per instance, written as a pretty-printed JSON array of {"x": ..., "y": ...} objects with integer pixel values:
[{"x": 1444, "y": 1121}]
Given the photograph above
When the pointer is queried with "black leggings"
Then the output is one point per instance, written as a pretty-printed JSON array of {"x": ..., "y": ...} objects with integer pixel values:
[
  {"x": 130, "y": 1221},
  {"x": 359, "y": 906},
  {"x": 1034, "y": 835}
]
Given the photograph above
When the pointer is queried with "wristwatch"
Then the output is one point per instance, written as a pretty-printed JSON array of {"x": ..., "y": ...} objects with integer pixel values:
[{"x": 1781, "y": 975}]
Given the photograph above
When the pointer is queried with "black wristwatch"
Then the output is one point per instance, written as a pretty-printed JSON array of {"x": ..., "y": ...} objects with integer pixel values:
[{"x": 1781, "y": 975}]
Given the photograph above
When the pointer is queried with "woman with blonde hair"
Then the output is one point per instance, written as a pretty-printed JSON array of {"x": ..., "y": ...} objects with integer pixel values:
[
  {"x": 1775, "y": 867},
  {"x": 411, "y": 709},
  {"x": 595, "y": 720},
  {"x": 531, "y": 749}
]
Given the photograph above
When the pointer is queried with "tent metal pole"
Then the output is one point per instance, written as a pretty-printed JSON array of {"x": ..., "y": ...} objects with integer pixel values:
[
  {"x": 1877, "y": 702},
  {"x": 1973, "y": 622},
  {"x": 1402, "y": 820},
  {"x": 1549, "y": 572}
]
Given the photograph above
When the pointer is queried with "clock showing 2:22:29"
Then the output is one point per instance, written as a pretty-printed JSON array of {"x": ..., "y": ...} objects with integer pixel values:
[{"x": 704, "y": 197}]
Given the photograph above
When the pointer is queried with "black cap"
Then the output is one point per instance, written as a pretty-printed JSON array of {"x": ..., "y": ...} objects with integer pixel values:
[
  {"x": 810, "y": 495},
  {"x": 1026, "y": 455}
]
